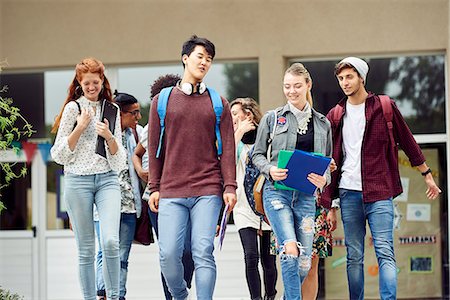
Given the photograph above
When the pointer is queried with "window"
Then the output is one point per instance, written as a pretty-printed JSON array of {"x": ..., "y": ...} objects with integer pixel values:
[{"x": 416, "y": 83}]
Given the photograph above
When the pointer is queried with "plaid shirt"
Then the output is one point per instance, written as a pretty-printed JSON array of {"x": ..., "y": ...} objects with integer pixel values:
[{"x": 379, "y": 159}]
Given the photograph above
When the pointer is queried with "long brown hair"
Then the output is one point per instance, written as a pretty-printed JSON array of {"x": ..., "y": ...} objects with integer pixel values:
[{"x": 87, "y": 65}]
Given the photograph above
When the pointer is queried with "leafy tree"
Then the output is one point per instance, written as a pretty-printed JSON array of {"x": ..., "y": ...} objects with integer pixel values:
[
  {"x": 7, "y": 295},
  {"x": 13, "y": 127},
  {"x": 421, "y": 80},
  {"x": 242, "y": 80}
]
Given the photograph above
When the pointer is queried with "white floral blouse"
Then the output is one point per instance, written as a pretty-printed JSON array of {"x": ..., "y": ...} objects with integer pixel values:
[{"x": 83, "y": 160}]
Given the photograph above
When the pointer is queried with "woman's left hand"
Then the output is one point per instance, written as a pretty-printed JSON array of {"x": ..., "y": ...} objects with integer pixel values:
[
  {"x": 318, "y": 180},
  {"x": 102, "y": 129}
]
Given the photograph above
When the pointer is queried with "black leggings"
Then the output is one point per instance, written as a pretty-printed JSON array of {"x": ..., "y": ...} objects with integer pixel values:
[{"x": 249, "y": 240}]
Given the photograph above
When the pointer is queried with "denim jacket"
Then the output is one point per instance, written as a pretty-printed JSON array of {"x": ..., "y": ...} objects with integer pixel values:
[{"x": 285, "y": 138}]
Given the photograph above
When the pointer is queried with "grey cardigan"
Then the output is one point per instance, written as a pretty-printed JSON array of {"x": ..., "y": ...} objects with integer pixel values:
[{"x": 285, "y": 138}]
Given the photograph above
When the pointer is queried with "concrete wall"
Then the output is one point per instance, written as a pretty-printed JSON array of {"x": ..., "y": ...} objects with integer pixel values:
[{"x": 58, "y": 33}]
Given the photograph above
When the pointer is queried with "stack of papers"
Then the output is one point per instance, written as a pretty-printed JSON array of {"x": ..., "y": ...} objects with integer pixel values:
[
  {"x": 300, "y": 164},
  {"x": 223, "y": 225}
]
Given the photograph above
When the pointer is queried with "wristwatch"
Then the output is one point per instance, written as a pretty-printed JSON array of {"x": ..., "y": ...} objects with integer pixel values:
[{"x": 426, "y": 172}]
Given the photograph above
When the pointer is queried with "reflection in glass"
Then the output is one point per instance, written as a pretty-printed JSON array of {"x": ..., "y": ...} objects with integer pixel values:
[
  {"x": 17, "y": 199},
  {"x": 416, "y": 83}
]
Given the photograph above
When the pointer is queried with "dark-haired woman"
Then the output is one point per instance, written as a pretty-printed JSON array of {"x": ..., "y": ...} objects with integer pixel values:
[
  {"x": 131, "y": 207},
  {"x": 90, "y": 178}
]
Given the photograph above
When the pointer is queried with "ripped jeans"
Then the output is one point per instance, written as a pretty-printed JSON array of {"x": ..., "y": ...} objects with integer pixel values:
[{"x": 291, "y": 215}]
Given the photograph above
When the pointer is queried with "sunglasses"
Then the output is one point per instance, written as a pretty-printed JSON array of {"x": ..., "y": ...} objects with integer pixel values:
[{"x": 135, "y": 113}]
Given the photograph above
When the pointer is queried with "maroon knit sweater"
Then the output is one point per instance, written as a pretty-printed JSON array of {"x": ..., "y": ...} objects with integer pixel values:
[{"x": 188, "y": 165}]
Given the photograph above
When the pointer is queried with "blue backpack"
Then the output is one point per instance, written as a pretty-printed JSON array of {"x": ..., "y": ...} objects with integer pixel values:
[
  {"x": 253, "y": 179},
  {"x": 163, "y": 98}
]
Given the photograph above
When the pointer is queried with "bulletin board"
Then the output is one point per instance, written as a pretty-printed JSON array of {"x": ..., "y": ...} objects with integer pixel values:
[{"x": 417, "y": 242}]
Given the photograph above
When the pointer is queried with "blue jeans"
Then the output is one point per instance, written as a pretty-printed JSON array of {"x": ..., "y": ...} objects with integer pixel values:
[
  {"x": 173, "y": 219},
  {"x": 380, "y": 216},
  {"x": 126, "y": 236},
  {"x": 291, "y": 215},
  {"x": 80, "y": 193},
  {"x": 188, "y": 263}
]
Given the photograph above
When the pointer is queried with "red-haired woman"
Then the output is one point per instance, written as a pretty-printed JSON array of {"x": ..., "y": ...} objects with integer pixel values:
[{"x": 88, "y": 177}]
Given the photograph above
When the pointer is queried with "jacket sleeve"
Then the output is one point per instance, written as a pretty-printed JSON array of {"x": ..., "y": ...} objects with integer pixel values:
[
  {"x": 228, "y": 157},
  {"x": 330, "y": 191},
  {"x": 154, "y": 164},
  {"x": 405, "y": 138},
  {"x": 328, "y": 151},
  {"x": 259, "y": 156}
]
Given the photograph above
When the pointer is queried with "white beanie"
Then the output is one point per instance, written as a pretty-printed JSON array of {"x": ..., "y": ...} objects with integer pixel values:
[{"x": 360, "y": 65}]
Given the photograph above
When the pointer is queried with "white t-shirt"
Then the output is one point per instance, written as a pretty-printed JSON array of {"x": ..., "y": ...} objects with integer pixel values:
[
  {"x": 352, "y": 134},
  {"x": 242, "y": 213}
]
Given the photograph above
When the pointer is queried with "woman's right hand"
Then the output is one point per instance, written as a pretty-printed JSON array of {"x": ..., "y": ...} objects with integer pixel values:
[
  {"x": 245, "y": 125},
  {"x": 84, "y": 118},
  {"x": 278, "y": 174}
]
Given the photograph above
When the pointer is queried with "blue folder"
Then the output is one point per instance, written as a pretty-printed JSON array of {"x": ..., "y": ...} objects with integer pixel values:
[{"x": 300, "y": 164}]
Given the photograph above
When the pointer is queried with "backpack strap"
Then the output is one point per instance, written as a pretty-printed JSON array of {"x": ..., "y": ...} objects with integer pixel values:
[
  {"x": 218, "y": 108},
  {"x": 135, "y": 134},
  {"x": 386, "y": 105},
  {"x": 163, "y": 98},
  {"x": 79, "y": 112},
  {"x": 272, "y": 134},
  {"x": 79, "y": 107}
]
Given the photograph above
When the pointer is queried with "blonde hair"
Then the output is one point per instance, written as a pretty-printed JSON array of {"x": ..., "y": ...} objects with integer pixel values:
[
  {"x": 299, "y": 69},
  {"x": 249, "y": 105}
]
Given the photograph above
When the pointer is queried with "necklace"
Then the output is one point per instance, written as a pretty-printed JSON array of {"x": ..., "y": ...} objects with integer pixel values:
[{"x": 303, "y": 123}]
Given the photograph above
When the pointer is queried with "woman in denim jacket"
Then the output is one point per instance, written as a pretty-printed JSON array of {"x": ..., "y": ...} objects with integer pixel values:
[{"x": 291, "y": 213}]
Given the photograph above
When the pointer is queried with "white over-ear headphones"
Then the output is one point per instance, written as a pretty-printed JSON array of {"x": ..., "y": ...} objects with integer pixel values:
[{"x": 188, "y": 88}]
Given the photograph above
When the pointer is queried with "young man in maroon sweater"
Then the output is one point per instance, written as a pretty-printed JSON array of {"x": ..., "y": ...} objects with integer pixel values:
[
  {"x": 189, "y": 180},
  {"x": 367, "y": 177}
]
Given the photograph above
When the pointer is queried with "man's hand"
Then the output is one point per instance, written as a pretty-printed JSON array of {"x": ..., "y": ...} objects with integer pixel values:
[
  {"x": 229, "y": 198},
  {"x": 433, "y": 190},
  {"x": 333, "y": 165},
  {"x": 331, "y": 219},
  {"x": 143, "y": 174},
  {"x": 153, "y": 202}
]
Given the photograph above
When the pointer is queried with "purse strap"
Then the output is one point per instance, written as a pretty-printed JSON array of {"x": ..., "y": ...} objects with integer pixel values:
[{"x": 271, "y": 136}]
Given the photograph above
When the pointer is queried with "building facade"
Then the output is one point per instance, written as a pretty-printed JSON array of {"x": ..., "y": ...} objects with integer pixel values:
[{"x": 405, "y": 42}]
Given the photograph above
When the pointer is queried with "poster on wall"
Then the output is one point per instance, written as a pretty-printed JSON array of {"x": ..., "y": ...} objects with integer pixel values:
[{"x": 417, "y": 237}]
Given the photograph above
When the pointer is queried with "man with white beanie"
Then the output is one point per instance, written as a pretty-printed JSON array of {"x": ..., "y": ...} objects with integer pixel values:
[{"x": 367, "y": 176}]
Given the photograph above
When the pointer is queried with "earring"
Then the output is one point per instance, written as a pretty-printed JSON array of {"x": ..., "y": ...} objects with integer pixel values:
[{"x": 79, "y": 91}]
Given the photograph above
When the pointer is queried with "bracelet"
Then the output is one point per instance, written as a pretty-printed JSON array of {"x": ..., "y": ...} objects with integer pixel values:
[
  {"x": 110, "y": 139},
  {"x": 426, "y": 172}
]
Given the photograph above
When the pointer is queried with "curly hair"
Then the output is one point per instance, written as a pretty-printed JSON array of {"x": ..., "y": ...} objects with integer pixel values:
[{"x": 163, "y": 82}]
